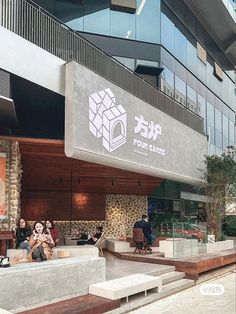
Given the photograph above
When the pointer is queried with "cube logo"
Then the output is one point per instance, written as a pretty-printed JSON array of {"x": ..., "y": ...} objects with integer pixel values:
[{"x": 107, "y": 120}]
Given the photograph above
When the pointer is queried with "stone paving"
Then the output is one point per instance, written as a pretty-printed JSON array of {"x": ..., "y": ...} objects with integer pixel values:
[{"x": 201, "y": 299}]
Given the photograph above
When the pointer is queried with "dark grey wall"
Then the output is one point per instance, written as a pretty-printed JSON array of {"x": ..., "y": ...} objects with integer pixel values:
[{"x": 4, "y": 84}]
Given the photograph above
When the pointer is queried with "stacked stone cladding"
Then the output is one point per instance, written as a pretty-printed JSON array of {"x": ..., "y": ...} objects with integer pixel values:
[{"x": 13, "y": 183}]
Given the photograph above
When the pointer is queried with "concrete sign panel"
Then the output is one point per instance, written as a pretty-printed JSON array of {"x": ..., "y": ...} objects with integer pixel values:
[{"x": 107, "y": 125}]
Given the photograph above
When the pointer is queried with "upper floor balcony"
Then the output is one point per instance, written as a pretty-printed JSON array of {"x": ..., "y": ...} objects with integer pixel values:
[{"x": 38, "y": 27}]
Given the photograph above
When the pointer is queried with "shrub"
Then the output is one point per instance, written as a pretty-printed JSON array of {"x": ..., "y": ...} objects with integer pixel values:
[{"x": 229, "y": 226}]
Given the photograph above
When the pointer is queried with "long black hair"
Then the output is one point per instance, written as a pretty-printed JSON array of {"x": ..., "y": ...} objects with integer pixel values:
[{"x": 41, "y": 223}]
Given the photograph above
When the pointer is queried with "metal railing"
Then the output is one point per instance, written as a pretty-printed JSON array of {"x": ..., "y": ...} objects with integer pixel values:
[{"x": 36, "y": 25}]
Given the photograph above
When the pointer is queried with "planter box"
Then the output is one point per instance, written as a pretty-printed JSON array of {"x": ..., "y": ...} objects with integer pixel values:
[{"x": 220, "y": 246}]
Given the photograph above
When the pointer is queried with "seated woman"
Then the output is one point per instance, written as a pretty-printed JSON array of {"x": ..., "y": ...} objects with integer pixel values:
[
  {"x": 23, "y": 233},
  {"x": 41, "y": 243},
  {"x": 50, "y": 226},
  {"x": 93, "y": 238}
]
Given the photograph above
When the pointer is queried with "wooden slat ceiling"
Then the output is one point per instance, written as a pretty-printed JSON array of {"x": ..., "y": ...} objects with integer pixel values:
[{"x": 45, "y": 167}]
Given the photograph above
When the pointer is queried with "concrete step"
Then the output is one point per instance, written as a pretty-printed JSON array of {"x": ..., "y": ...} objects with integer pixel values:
[
  {"x": 165, "y": 270},
  {"x": 139, "y": 300},
  {"x": 171, "y": 276},
  {"x": 177, "y": 286}
]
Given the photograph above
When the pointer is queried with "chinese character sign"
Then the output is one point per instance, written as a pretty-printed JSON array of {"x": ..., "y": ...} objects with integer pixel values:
[
  {"x": 149, "y": 130},
  {"x": 2, "y": 185}
]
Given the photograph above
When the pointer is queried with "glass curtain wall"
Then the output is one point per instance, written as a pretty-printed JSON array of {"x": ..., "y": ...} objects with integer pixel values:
[
  {"x": 144, "y": 25},
  {"x": 218, "y": 122},
  {"x": 150, "y": 25}
]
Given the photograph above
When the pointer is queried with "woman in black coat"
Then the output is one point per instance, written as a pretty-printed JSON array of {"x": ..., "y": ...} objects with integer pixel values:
[{"x": 23, "y": 233}]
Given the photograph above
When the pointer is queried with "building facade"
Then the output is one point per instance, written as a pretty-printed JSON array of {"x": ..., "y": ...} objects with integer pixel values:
[{"x": 166, "y": 68}]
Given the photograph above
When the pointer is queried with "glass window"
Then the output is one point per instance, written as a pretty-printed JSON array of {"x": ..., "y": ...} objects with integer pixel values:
[
  {"x": 148, "y": 20},
  {"x": 167, "y": 82},
  {"x": 180, "y": 46},
  {"x": 124, "y": 29},
  {"x": 218, "y": 129},
  {"x": 210, "y": 123},
  {"x": 210, "y": 77},
  {"x": 232, "y": 96},
  {"x": 191, "y": 57},
  {"x": 180, "y": 90},
  {"x": 231, "y": 132},
  {"x": 167, "y": 33},
  {"x": 128, "y": 62},
  {"x": 77, "y": 24},
  {"x": 201, "y": 71},
  {"x": 225, "y": 132},
  {"x": 98, "y": 22},
  {"x": 192, "y": 100},
  {"x": 218, "y": 87},
  {"x": 225, "y": 88},
  {"x": 202, "y": 104}
]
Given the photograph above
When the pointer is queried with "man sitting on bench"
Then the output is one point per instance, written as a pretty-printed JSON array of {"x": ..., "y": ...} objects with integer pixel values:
[
  {"x": 92, "y": 239},
  {"x": 146, "y": 227}
]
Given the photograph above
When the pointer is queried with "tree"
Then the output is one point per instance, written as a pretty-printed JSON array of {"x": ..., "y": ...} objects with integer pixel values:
[{"x": 219, "y": 174}]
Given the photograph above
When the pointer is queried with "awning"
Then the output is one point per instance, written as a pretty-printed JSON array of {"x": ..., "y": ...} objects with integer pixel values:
[{"x": 193, "y": 197}]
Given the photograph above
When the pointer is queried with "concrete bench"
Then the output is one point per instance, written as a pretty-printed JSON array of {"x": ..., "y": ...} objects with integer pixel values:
[
  {"x": 122, "y": 246},
  {"x": 4, "y": 312},
  {"x": 19, "y": 253},
  {"x": 76, "y": 250},
  {"x": 125, "y": 286},
  {"x": 31, "y": 284}
]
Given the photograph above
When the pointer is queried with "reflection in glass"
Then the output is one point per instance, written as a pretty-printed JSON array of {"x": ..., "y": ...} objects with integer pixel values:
[
  {"x": 128, "y": 62},
  {"x": 202, "y": 104},
  {"x": 180, "y": 46},
  {"x": 180, "y": 91},
  {"x": 167, "y": 82},
  {"x": 76, "y": 24},
  {"x": 191, "y": 57},
  {"x": 98, "y": 22},
  {"x": 210, "y": 77},
  {"x": 210, "y": 123},
  {"x": 231, "y": 132},
  {"x": 225, "y": 132},
  {"x": 192, "y": 100},
  {"x": 232, "y": 102},
  {"x": 218, "y": 129},
  {"x": 167, "y": 33},
  {"x": 122, "y": 24},
  {"x": 148, "y": 20},
  {"x": 201, "y": 70}
]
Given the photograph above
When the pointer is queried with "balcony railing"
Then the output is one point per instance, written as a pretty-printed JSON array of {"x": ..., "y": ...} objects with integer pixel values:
[{"x": 36, "y": 25}]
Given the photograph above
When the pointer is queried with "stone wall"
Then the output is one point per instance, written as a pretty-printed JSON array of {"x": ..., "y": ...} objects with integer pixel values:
[
  {"x": 13, "y": 183},
  {"x": 121, "y": 213}
]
